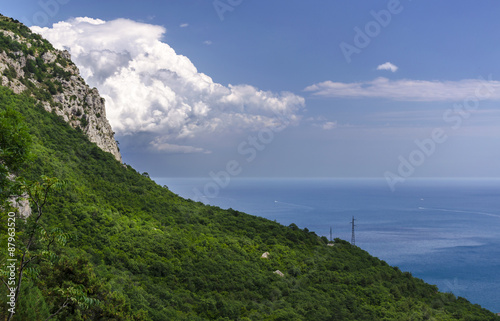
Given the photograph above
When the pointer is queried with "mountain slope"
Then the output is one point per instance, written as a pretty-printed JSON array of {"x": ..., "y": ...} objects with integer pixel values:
[
  {"x": 146, "y": 254},
  {"x": 30, "y": 63}
]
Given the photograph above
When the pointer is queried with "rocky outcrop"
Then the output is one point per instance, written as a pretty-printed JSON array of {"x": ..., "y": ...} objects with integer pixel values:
[
  {"x": 32, "y": 65},
  {"x": 278, "y": 272},
  {"x": 83, "y": 107},
  {"x": 22, "y": 205}
]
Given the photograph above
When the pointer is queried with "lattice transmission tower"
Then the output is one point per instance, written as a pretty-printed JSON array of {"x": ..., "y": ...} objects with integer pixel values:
[{"x": 353, "y": 237}]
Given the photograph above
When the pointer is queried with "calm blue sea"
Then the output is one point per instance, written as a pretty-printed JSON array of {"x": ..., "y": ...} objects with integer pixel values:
[{"x": 443, "y": 231}]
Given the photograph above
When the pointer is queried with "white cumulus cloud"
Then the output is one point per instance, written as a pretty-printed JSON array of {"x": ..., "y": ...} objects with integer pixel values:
[
  {"x": 322, "y": 122},
  {"x": 388, "y": 66},
  {"x": 329, "y": 125},
  {"x": 411, "y": 90},
  {"x": 150, "y": 88}
]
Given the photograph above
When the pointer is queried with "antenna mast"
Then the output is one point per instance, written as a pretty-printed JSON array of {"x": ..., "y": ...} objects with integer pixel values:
[{"x": 353, "y": 238}]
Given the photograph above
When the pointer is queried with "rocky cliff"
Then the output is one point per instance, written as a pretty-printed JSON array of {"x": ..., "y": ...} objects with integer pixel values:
[{"x": 31, "y": 65}]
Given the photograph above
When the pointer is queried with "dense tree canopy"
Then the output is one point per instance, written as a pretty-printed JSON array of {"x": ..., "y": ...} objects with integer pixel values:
[{"x": 14, "y": 147}]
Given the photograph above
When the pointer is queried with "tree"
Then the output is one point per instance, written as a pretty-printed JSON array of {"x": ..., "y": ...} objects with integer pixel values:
[
  {"x": 38, "y": 194},
  {"x": 38, "y": 245},
  {"x": 15, "y": 142},
  {"x": 36, "y": 242}
]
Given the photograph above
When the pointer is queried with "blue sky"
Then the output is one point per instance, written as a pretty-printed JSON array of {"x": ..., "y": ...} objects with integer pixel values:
[{"x": 392, "y": 89}]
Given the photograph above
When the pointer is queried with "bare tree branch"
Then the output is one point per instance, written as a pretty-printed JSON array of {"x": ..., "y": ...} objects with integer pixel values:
[{"x": 65, "y": 304}]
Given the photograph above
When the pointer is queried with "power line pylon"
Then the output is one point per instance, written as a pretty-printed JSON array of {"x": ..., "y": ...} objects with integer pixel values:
[{"x": 353, "y": 238}]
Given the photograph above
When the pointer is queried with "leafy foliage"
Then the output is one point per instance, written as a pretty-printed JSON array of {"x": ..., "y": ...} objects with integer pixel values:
[
  {"x": 18, "y": 29},
  {"x": 14, "y": 148}
]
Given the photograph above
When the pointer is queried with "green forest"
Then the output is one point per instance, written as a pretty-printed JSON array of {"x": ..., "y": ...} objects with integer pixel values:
[{"x": 104, "y": 242}]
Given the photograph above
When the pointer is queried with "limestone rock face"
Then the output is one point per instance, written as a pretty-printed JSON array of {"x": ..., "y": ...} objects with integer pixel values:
[
  {"x": 278, "y": 272},
  {"x": 54, "y": 81},
  {"x": 23, "y": 205}
]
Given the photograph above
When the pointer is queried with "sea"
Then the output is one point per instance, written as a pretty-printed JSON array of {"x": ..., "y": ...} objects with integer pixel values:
[{"x": 444, "y": 231}]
